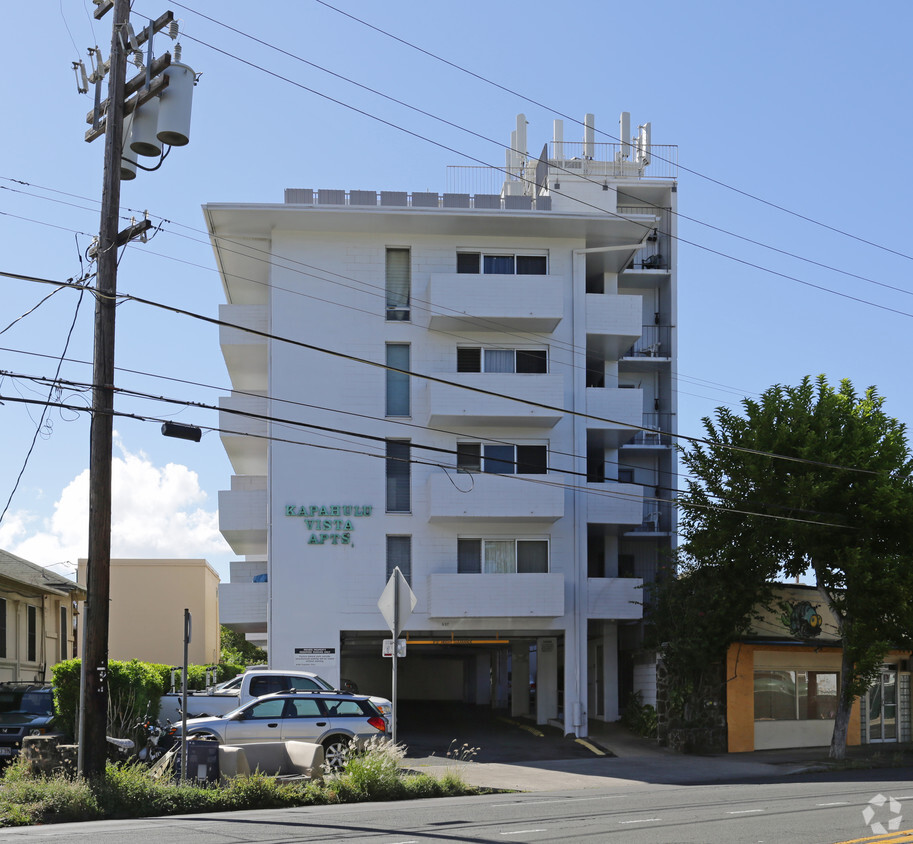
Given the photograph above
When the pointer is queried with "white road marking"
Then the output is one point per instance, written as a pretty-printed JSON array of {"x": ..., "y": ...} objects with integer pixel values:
[
  {"x": 838, "y": 803},
  {"x": 642, "y": 820},
  {"x": 523, "y": 831},
  {"x": 745, "y": 812}
]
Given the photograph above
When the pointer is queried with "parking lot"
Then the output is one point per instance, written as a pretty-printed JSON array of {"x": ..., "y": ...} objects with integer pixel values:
[{"x": 433, "y": 728}]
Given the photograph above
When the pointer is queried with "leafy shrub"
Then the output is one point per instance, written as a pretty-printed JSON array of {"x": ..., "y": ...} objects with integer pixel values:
[{"x": 639, "y": 717}]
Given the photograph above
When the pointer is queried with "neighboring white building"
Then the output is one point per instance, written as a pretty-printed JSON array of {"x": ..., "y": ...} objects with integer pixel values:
[{"x": 526, "y": 528}]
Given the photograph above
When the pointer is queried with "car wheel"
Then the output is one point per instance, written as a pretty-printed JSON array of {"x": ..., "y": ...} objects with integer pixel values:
[{"x": 336, "y": 752}]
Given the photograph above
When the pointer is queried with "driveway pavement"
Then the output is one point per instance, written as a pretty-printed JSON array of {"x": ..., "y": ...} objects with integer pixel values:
[{"x": 519, "y": 759}]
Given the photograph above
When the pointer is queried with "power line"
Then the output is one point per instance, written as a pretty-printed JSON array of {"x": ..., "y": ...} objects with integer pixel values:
[
  {"x": 528, "y": 99},
  {"x": 435, "y": 379},
  {"x": 524, "y": 478}
]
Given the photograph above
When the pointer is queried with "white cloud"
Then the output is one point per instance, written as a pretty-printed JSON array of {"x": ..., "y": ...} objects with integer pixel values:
[{"x": 156, "y": 512}]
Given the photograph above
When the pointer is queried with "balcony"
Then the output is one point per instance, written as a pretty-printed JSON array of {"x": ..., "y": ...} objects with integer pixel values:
[
  {"x": 496, "y": 595},
  {"x": 654, "y": 346},
  {"x": 242, "y": 606},
  {"x": 243, "y": 515},
  {"x": 615, "y": 410},
  {"x": 454, "y": 496},
  {"x": 613, "y": 323},
  {"x": 613, "y": 503},
  {"x": 245, "y": 354},
  {"x": 619, "y": 598},
  {"x": 660, "y": 435},
  {"x": 244, "y": 437},
  {"x": 451, "y": 405},
  {"x": 657, "y": 519},
  {"x": 465, "y": 302}
]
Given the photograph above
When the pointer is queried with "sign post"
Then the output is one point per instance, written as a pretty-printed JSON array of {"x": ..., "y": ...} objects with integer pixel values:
[{"x": 396, "y": 604}]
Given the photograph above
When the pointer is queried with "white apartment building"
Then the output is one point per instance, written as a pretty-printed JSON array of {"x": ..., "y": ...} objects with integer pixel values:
[{"x": 477, "y": 388}]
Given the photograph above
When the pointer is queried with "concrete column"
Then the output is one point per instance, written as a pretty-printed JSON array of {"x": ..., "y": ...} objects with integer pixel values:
[
  {"x": 500, "y": 670},
  {"x": 483, "y": 679},
  {"x": 546, "y": 680},
  {"x": 610, "y": 670},
  {"x": 519, "y": 674}
]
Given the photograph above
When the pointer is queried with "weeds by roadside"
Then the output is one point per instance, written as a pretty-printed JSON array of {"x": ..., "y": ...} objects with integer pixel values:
[{"x": 127, "y": 790}]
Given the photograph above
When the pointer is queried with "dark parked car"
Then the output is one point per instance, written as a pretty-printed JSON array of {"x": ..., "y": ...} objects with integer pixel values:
[{"x": 26, "y": 709}]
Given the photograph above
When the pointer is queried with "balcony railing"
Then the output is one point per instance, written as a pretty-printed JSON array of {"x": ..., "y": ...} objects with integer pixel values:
[
  {"x": 660, "y": 163},
  {"x": 658, "y": 517},
  {"x": 461, "y": 197},
  {"x": 655, "y": 341},
  {"x": 661, "y": 423}
]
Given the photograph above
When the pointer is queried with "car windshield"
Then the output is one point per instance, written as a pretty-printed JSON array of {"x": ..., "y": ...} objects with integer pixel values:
[{"x": 39, "y": 703}]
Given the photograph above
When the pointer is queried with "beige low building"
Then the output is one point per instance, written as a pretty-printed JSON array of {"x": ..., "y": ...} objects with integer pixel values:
[
  {"x": 36, "y": 619},
  {"x": 148, "y": 598}
]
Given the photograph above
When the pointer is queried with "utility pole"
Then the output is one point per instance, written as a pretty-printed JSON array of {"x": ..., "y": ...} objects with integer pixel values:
[
  {"x": 94, "y": 708},
  {"x": 107, "y": 118}
]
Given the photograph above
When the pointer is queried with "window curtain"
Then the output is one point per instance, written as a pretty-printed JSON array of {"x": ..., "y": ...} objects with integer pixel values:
[
  {"x": 398, "y": 283},
  {"x": 399, "y": 553},
  {"x": 500, "y": 556},
  {"x": 499, "y": 360}
]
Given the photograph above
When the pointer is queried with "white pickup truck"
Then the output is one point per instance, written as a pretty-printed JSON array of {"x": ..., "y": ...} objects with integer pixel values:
[{"x": 253, "y": 683}]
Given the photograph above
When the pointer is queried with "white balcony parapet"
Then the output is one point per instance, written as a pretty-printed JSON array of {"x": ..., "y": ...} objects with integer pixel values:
[
  {"x": 613, "y": 503},
  {"x": 454, "y": 496},
  {"x": 243, "y": 518},
  {"x": 496, "y": 595},
  {"x": 243, "y": 605},
  {"x": 244, "y": 437},
  {"x": 615, "y": 320},
  {"x": 496, "y": 302},
  {"x": 245, "y": 353},
  {"x": 618, "y": 598},
  {"x": 451, "y": 405}
]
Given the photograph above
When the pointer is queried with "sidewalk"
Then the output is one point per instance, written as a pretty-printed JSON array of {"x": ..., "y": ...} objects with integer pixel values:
[{"x": 637, "y": 760}]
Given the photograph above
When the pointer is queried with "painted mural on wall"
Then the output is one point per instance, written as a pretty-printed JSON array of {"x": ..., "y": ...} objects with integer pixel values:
[{"x": 797, "y": 612}]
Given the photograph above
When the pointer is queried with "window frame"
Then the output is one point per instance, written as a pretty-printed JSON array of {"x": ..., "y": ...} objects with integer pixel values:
[
  {"x": 31, "y": 633},
  {"x": 463, "y": 542},
  {"x": 472, "y": 458},
  {"x": 398, "y": 307},
  {"x": 402, "y": 462},
  {"x": 801, "y": 700},
  {"x": 466, "y": 353},
  {"x": 487, "y": 258},
  {"x": 392, "y": 563},
  {"x": 397, "y": 381}
]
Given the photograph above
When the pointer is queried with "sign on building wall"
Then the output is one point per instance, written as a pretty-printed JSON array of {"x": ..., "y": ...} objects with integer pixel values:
[
  {"x": 329, "y": 524},
  {"x": 315, "y": 659}
]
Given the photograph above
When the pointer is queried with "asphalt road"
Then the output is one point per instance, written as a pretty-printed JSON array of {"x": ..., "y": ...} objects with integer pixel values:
[{"x": 818, "y": 809}]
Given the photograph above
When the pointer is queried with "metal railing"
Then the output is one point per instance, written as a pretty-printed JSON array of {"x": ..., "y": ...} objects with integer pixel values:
[
  {"x": 660, "y": 163},
  {"x": 654, "y": 342},
  {"x": 661, "y": 423},
  {"x": 658, "y": 517}
]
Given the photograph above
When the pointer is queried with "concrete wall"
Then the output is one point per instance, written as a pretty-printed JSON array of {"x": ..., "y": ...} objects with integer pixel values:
[{"x": 148, "y": 598}]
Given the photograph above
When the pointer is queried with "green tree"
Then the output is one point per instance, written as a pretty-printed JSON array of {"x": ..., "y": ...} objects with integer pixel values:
[
  {"x": 835, "y": 504},
  {"x": 236, "y": 650}
]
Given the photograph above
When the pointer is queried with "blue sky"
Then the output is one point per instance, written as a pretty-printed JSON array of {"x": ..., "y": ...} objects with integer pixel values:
[{"x": 804, "y": 104}]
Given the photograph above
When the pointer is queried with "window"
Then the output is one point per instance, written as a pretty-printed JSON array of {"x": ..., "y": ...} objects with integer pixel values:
[
  {"x": 398, "y": 382},
  {"x": 502, "y": 459},
  {"x": 306, "y": 708},
  {"x": 272, "y": 708},
  {"x": 399, "y": 284},
  {"x": 399, "y": 553},
  {"x": 504, "y": 264},
  {"x": 502, "y": 556},
  {"x": 62, "y": 634},
  {"x": 477, "y": 359},
  {"x": 399, "y": 476},
  {"x": 31, "y": 638},
  {"x": 2, "y": 627},
  {"x": 786, "y": 695}
]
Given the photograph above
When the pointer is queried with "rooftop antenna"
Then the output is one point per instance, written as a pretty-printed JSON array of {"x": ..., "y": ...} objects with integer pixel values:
[
  {"x": 624, "y": 133},
  {"x": 589, "y": 136},
  {"x": 643, "y": 145}
]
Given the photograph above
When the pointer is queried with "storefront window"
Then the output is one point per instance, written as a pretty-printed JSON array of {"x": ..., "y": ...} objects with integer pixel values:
[{"x": 783, "y": 695}]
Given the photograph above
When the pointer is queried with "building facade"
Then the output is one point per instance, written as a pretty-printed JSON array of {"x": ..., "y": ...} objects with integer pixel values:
[
  {"x": 146, "y": 617},
  {"x": 476, "y": 388},
  {"x": 37, "y": 615}
]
